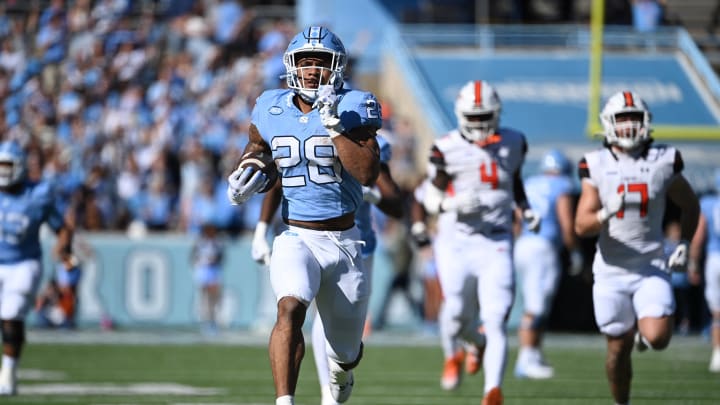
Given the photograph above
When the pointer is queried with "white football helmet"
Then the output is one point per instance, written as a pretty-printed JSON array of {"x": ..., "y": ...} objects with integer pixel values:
[
  {"x": 477, "y": 108},
  {"x": 314, "y": 40},
  {"x": 12, "y": 163},
  {"x": 628, "y": 133}
]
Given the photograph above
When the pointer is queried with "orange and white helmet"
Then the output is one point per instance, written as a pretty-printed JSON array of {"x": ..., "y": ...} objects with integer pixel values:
[
  {"x": 477, "y": 108},
  {"x": 626, "y": 133}
]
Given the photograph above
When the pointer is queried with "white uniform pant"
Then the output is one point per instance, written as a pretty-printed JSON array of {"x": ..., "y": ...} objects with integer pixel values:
[
  {"x": 325, "y": 266},
  {"x": 536, "y": 263},
  {"x": 621, "y": 296},
  {"x": 712, "y": 281},
  {"x": 18, "y": 286},
  {"x": 481, "y": 265}
]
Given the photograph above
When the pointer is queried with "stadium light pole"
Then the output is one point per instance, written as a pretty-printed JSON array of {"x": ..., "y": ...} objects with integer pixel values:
[
  {"x": 597, "y": 16},
  {"x": 593, "y": 128}
]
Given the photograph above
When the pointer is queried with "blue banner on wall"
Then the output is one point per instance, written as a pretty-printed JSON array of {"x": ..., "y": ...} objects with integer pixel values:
[{"x": 546, "y": 96}]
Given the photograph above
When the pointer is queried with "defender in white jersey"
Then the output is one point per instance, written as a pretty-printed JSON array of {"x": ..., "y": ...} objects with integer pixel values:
[
  {"x": 322, "y": 138},
  {"x": 477, "y": 174},
  {"x": 707, "y": 237},
  {"x": 457, "y": 348},
  {"x": 624, "y": 190},
  {"x": 537, "y": 258}
]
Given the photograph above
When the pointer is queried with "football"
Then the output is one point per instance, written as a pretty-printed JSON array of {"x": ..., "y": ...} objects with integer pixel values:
[{"x": 261, "y": 161}]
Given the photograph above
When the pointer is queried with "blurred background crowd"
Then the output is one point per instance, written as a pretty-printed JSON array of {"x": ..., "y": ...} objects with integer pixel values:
[{"x": 138, "y": 109}]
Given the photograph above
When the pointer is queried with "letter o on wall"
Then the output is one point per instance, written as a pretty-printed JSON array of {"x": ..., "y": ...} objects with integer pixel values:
[{"x": 147, "y": 285}]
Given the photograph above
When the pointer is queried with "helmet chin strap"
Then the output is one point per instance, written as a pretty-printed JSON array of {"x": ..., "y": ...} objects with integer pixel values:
[{"x": 308, "y": 95}]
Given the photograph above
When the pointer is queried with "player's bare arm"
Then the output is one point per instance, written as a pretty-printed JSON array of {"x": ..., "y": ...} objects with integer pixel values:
[
  {"x": 359, "y": 153},
  {"x": 681, "y": 193},
  {"x": 64, "y": 246},
  {"x": 271, "y": 202},
  {"x": 256, "y": 143},
  {"x": 564, "y": 210},
  {"x": 435, "y": 192},
  {"x": 441, "y": 180},
  {"x": 696, "y": 248},
  {"x": 586, "y": 222},
  {"x": 391, "y": 201},
  {"x": 529, "y": 216},
  {"x": 521, "y": 200}
]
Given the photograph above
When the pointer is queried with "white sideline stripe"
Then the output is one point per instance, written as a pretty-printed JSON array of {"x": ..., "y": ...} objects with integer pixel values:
[
  {"x": 31, "y": 374},
  {"x": 117, "y": 389}
]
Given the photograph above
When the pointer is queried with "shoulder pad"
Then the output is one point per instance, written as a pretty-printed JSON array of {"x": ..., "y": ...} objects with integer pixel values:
[{"x": 359, "y": 109}]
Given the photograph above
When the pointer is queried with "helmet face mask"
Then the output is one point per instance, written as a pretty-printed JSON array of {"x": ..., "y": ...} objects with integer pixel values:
[
  {"x": 314, "y": 57},
  {"x": 477, "y": 109},
  {"x": 626, "y": 121},
  {"x": 12, "y": 163}
]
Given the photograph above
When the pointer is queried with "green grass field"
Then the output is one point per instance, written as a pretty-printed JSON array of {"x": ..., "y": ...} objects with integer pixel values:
[{"x": 390, "y": 374}]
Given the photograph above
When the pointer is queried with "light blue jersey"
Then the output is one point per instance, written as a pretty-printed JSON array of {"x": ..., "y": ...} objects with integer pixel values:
[
  {"x": 363, "y": 219},
  {"x": 315, "y": 185},
  {"x": 710, "y": 206},
  {"x": 542, "y": 192},
  {"x": 20, "y": 218}
]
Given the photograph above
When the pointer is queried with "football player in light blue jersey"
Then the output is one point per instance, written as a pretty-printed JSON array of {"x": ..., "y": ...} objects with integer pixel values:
[
  {"x": 322, "y": 138},
  {"x": 707, "y": 236},
  {"x": 385, "y": 194},
  {"x": 25, "y": 206},
  {"x": 537, "y": 258}
]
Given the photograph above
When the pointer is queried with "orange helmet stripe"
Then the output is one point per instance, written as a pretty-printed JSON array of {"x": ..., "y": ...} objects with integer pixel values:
[
  {"x": 629, "y": 102},
  {"x": 478, "y": 93}
]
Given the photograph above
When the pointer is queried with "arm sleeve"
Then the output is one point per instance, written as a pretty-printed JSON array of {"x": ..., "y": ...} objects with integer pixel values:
[
  {"x": 437, "y": 158},
  {"x": 583, "y": 169},
  {"x": 678, "y": 164}
]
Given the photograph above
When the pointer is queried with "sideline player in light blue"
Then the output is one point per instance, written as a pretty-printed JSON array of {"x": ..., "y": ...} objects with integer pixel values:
[
  {"x": 537, "y": 258},
  {"x": 707, "y": 236},
  {"x": 386, "y": 196},
  {"x": 24, "y": 206},
  {"x": 322, "y": 138}
]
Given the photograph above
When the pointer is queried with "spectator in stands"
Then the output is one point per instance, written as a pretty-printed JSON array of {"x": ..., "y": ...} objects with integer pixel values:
[
  {"x": 232, "y": 22},
  {"x": 12, "y": 59},
  {"x": 154, "y": 206},
  {"x": 133, "y": 85},
  {"x": 618, "y": 12},
  {"x": 647, "y": 14}
]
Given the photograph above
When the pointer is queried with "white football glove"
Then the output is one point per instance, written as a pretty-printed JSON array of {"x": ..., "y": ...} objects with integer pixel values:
[
  {"x": 615, "y": 203},
  {"x": 245, "y": 182},
  {"x": 532, "y": 220},
  {"x": 260, "y": 250},
  {"x": 419, "y": 233},
  {"x": 678, "y": 259},
  {"x": 467, "y": 202},
  {"x": 326, "y": 103},
  {"x": 371, "y": 194}
]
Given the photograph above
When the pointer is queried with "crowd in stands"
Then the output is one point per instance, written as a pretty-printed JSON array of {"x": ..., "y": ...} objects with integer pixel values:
[{"x": 137, "y": 116}]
